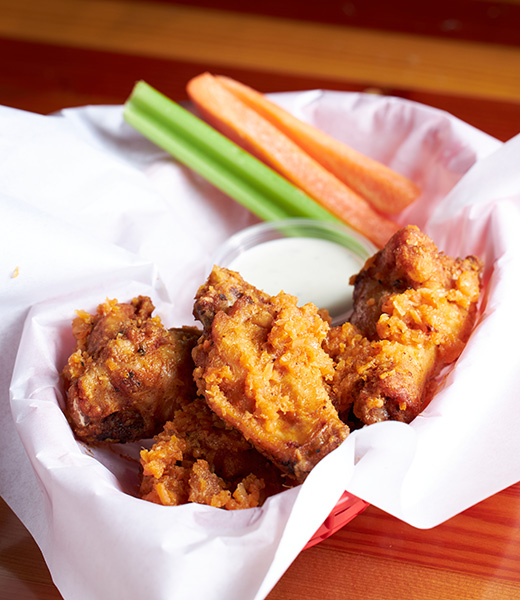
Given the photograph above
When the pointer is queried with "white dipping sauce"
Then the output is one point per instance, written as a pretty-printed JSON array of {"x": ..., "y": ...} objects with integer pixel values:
[{"x": 314, "y": 270}]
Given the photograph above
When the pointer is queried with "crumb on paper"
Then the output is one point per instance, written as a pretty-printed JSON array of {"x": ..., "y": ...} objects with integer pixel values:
[{"x": 15, "y": 273}]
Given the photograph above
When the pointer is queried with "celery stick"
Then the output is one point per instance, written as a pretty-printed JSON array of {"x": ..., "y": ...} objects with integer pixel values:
[{"x": 213, "y": 156}]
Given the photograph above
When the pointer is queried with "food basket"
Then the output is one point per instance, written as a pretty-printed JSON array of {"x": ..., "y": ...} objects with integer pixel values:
[
  {"x": 114, "y": 216},
  {"x": 347, "y": 508}
]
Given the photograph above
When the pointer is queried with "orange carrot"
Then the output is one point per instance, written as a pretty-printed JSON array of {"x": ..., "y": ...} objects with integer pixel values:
[
  {"x": 255, "y": 134},
  {"x": 385, "y": 189}
]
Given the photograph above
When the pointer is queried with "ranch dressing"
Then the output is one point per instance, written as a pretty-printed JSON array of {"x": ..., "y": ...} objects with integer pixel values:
[{"x": 312, "y": 269}]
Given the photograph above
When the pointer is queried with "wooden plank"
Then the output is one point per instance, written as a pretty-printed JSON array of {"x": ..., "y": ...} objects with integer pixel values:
[
  {"x": 182, "y": 33},
  {"x": 473, "y": 555},
  {"x": 377, "y": 578},
  {"x": 45, "y": 78},
  {"x": 496, "y": 22},
  {"x": 23, "y": 573},
  {"x": 482, "y": 541}
]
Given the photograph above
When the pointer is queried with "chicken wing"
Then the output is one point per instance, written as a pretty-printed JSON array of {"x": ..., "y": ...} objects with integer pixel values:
[
  {"x": 414, "y": 309},
  {"x": 198, "y": 458},
  {"x": 261, "y": 367},
  {"x": 128, "y": 374}
]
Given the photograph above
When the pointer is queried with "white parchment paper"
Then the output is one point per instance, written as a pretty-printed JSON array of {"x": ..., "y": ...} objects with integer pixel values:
[{"x": 90, "y": 210}]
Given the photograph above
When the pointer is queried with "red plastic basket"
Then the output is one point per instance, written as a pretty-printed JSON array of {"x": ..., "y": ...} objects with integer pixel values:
[{"x": 347, "y": 507}]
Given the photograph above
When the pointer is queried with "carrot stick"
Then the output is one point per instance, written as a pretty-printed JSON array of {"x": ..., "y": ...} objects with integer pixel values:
[
  {"x": 258, "y": 136},
  {"x": 385, "y": 189}
]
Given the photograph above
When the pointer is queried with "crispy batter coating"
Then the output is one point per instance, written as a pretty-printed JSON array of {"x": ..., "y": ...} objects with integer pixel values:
[
  {"x": 128, "y": 374},
  {"x": 198, "y": 458},
  {"x": 250, "y": 404},
  {"x": 378, "y": 380},
  {"x": 414, "y": 309},
  {"x": 221, "y": 290},
  {"x": 261, "y": 367}
]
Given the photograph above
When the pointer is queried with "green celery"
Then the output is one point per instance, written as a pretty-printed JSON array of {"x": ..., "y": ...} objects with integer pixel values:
[{"x": 200, "y": 147}]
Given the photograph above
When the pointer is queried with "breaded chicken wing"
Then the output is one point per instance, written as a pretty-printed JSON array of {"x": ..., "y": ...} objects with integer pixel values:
[
  {"x": 414, "y": 309},
  {"x": 378, "y": 380},
  {"x": 261, "y": 367},
  {"x": 198, "y": 458},
  {"x": 128, "y": 374}
]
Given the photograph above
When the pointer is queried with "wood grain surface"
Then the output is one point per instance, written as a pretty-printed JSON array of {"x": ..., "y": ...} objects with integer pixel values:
[{"x": 462, "y": 56}]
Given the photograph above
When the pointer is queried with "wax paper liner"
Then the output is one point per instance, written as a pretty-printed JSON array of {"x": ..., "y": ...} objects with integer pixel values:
[{"x": 91, "y": 210}]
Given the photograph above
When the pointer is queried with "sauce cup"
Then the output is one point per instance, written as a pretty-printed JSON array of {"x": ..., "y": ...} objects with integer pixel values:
[{"x": 312, "y": 260}]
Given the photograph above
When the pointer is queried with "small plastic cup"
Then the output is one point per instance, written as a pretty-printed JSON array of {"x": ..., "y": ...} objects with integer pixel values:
[{"x": 312, "y": 260}]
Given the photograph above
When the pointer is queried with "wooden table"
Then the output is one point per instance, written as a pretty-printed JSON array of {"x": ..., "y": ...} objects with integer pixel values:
[{"x": 459, "y": 55}]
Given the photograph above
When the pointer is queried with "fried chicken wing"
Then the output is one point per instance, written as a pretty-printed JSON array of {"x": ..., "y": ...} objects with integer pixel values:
[
  {"x": 221, "y": 290},
  {"x": 378, "y": 380},
  {"x": 414, "y": 309},
  {"x": 199, "y": 458},
  {"x": 261, "y": 367},
  {"x": 128, "y": 374}
]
